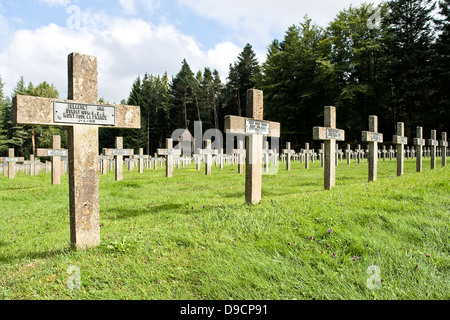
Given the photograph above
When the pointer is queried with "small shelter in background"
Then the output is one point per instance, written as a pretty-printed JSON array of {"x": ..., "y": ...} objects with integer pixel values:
[{"x": 186, "y": 143}]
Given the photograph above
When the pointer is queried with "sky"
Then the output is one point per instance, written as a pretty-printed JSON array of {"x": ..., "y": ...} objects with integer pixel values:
[{"x": 134, "y": 37}]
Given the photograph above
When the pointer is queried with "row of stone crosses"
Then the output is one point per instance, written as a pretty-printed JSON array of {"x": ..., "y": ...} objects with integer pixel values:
[
  {"x": 113, "y": 159},
  {"x": 83, "y": 116}
]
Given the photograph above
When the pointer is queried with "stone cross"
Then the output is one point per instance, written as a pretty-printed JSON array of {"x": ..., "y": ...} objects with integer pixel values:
[
  {"x": 359, "y": 153},
  {"x": 104, "y": 163},
  {"x": 254, "y": 128},
  {"x": 169, "y": 152},
  {"x": 348, "y": 153},
  {"x": 198, "y": 160},
  {"x": 373, "y": 138},
  {"x": 140, "y": 158},
  {"x": 419, "y": 142},
  {"x": 56, "y": 153},
  {"x": 288, "y": 152},
  {"x": 82, "y": 115},
  {"x": 329, "y": 134},
  {"x": 118, "y": 154},
  {"x": 240, "y": 152},
  {"x": 307, "y": 154},
  {"x": 444, "y": 145},
  {"x": 400, "y": 140},
  {"x": 11, "y": 160},
  {"x": 433, "y": 142},
  {"x": 208, "y": 153}
]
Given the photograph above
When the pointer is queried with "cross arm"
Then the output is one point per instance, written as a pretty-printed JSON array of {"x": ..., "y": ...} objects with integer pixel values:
[
  {"x": 51, "y": 153},
  {"x": 12, "y": 159},
  {"x": 167, "y": 152},
  {"x": 118, "y": 152},
  {"x": 37, "y": 110},
  {"x": 248, "y": 126},
  {"x": 325, "y": 133},
  {"x": 368, "y": 136}
]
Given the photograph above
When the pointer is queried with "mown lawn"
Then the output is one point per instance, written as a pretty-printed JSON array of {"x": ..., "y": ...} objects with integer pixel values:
[{"x": 192, "y": 237}]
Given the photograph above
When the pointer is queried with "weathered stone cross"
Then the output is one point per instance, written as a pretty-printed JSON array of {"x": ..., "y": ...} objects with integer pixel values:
[
  {"x": 400, "y": 140},
  {"x": 169, "y": 152},
  {"x": 254, "y": 128},
  {"x": 11, "y": 160},
  {"x": 140, "y": 158},
  {"x": 56, "y": 153},
  {"x": 208, "y": 153},
  {"x": 444, "y": 145},
  {"x": 329, "y": 134},
  {"x": 433, "y": 142},
  {"x": 288, "y": 152},
  {"x": 307, "y": 154},
  {"x": 82, "y": 115},
  {"x": 373, "y": 138},
  {"x": 240, "y": 152},
  {"x": 118, "y": 154}
]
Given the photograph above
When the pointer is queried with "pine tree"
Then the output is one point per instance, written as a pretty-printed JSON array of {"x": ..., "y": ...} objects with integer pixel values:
[
  {"x": 242, "y": 76},
  {"x": 183, "y": 91},
  {"x": 409, "y": 52},
  {"x": 441, "y": 70}
]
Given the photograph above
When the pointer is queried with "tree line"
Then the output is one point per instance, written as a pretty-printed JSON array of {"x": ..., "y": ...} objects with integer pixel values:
[{"x": 391, "y": 61}]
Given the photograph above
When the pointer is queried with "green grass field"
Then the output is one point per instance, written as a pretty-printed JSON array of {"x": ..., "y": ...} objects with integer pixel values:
[{"x": 192, "y": 237}]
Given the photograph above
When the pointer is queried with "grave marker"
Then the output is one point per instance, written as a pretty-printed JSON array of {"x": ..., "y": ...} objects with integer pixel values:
[
  {"x": 118, "y": 154},
  {"x": 288, "y": 152},
  {"x": 240, "y": 152},
  {"x": 444, "y": 145},
  {"x": 83, "y": 116},
  {"x": 169, "y": 152},
  {"x": 254, "y": 128},
  {"x": 419, "y": 142},
  {"x": 11, "y": 161},
  {"x": 400, "y": 140},
  {"x": 434, "y": 144},
  {"x": 329, "y": 134},
  {"x": 208, "y": 153},
  {"x": 373, "y": 138},
  {"x": 56, "y": 153},
  {"x": 141, "y": 158}
]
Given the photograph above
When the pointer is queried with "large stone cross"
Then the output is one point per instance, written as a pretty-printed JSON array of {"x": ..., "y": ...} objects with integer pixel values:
[
  {"x": 82, "y": 115},
  {"x": 400, "y": 140},
  {"x": 373, "y": 138},
  {"x": 254, "y": 128},
  {"x": 118, "y": 154},
  {"x": 11, "y": 160},
  {"x": 56, "y": 153},
  {"x": 329, "y": 134}
]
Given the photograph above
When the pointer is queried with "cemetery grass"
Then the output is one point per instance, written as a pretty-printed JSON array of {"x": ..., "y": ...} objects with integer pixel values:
[{"x": 192, "y": 237}]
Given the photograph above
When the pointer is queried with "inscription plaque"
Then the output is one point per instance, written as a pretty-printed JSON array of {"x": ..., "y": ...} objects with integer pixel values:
[
  {"x": 57, "y": 153},
  {"x": 67, "y": 112},
  {"x": 333, "y": 134},
  {"x": 257, "y": 127},
  {"x": 120, "y": 152}
]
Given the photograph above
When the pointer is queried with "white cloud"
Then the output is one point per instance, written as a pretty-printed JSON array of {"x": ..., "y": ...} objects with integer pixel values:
[
  {"x": 125, "y": 48},
  {"x": 54, "y": 3},
  {"x": 258, "y": 21},
  {"x": 128, "y": 6}
]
